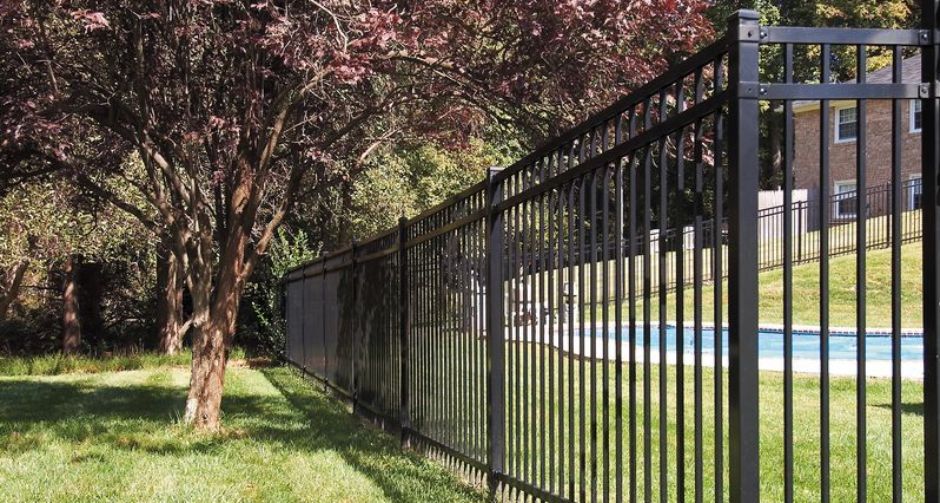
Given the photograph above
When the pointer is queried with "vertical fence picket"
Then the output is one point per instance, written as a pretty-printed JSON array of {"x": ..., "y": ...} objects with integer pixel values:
[
  {"x": 404, "y": 330},
  {"x": 897, "y": 462},
  {"x": 824, "y": 217},
  {"x": 788, "y": 282}
]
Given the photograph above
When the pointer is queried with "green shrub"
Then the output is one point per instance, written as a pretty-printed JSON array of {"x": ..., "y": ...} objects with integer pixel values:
[{"x": 266, "y": 329}]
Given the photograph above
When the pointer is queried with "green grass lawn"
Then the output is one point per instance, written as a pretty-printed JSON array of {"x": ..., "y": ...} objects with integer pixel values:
[
  {"x": 116, "y": 436},
  {"x": 550, "y": 397},
  {"x": 533, "y": 419},
  {"x": 843, "y": 290},
  {"x": 807, "y": 293},
  {"x": 806, "y": 290}
]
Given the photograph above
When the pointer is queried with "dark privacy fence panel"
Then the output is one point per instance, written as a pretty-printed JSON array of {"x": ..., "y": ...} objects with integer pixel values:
[
  {"x": 591, "y": 324},
  {"x": 295, "y": 323},
  {"x": 377, "y": 321},
  {"x": 313, "y": 320},
  {"x": 339, "y": 300}
]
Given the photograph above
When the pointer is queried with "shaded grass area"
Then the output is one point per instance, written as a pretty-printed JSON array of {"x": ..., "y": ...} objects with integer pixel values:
[{"x": 116, "y": 436}]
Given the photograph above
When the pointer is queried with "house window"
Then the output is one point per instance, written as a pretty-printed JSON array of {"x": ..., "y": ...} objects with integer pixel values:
[
  {"x": 845, "y": 200},
  {"x": 916, "y": 116},
  {"x": 914, "y": 189},
  {"x": 846, "y": 124}
]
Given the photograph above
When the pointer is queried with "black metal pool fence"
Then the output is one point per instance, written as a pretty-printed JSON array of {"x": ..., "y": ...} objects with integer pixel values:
[{"x": 464, "y": 327}]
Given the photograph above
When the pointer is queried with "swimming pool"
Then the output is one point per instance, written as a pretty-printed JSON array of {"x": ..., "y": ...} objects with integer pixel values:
[{"x": 842, "y": 346}]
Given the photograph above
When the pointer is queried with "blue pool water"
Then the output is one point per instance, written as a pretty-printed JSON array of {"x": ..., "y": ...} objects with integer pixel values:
[{"x": 805, "y": 344}]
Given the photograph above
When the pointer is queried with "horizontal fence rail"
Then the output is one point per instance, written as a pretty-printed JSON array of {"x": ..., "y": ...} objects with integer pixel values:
[{"x": 592, "y": 323}]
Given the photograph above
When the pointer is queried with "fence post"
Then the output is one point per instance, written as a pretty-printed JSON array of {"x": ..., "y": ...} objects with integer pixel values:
[
  {"x": 404, "y": 328},
  {"x": 799, "y": 231},
  {"x": 354, "y": 327},
  {"x": 494, "y": 329},
  {"x": 744, "y": 31},
  {"x": 303, "y": 322},
  {"x": 930, "y": 166},
  {"x": 282, "y": 301}
]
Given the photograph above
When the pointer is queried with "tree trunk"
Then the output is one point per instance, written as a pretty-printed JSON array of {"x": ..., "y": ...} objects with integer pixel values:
[
  {"x": 71, "y": 326},
  {"x": 203, "y": 405},
  {"x": 215, "y": 306},
  {"x": 10, "y": 289},
  {"x": 772, "y": 178},
  {"x": 216, "y": 298},
  {"x": 169, "y": 304}
]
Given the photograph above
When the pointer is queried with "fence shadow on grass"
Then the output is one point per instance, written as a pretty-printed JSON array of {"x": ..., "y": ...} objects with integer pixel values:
[
  {"x": 376, "y": 455},
  {"x": 908, "y": 408}
]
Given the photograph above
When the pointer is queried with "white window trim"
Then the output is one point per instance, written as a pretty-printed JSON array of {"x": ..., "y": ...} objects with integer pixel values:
[
  {"x": 837, "y": 138},
  {"x": 910, "y": 191},
  {"x": 910, "y": 114},
  {"x": 835, "y": 202}
]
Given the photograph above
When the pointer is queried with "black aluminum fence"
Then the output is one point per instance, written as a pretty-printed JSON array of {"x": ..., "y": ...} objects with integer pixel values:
[{"x": 504, "y": 330}]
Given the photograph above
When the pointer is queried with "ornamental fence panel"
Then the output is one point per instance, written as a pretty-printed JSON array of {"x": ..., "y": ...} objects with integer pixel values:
[{"x": 576, "y": 327}]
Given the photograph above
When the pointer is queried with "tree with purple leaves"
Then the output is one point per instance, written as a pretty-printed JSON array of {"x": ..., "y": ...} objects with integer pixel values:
[{"x": 233, "y": 106}]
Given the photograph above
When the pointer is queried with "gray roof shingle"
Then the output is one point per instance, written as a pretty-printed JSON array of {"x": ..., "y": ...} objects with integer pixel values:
[{"x": 910, "y": 72}]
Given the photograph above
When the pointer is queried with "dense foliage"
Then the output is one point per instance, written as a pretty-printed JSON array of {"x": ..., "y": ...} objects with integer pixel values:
[
  {"x": 265, "y": 328},
  {"x": 44, "y": 222}
]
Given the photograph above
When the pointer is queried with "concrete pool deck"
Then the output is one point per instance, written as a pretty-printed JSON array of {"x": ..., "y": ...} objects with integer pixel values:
[{"x": 606, "y": 349}]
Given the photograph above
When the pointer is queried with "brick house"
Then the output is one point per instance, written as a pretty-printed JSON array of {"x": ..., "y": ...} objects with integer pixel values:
[{"x": 843, "y": 138}]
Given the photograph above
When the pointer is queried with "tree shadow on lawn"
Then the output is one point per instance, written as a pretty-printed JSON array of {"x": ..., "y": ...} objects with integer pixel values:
[
  {"x": 140, "y": 417},
  {"x": 374, "y": 453},
  {"x": 35, "y": 401},
  {"x": 134, "y": 416}
]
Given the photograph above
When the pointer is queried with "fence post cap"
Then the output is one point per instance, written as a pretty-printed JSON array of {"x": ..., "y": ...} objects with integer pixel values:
[{"x": 748, "y": 14}]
